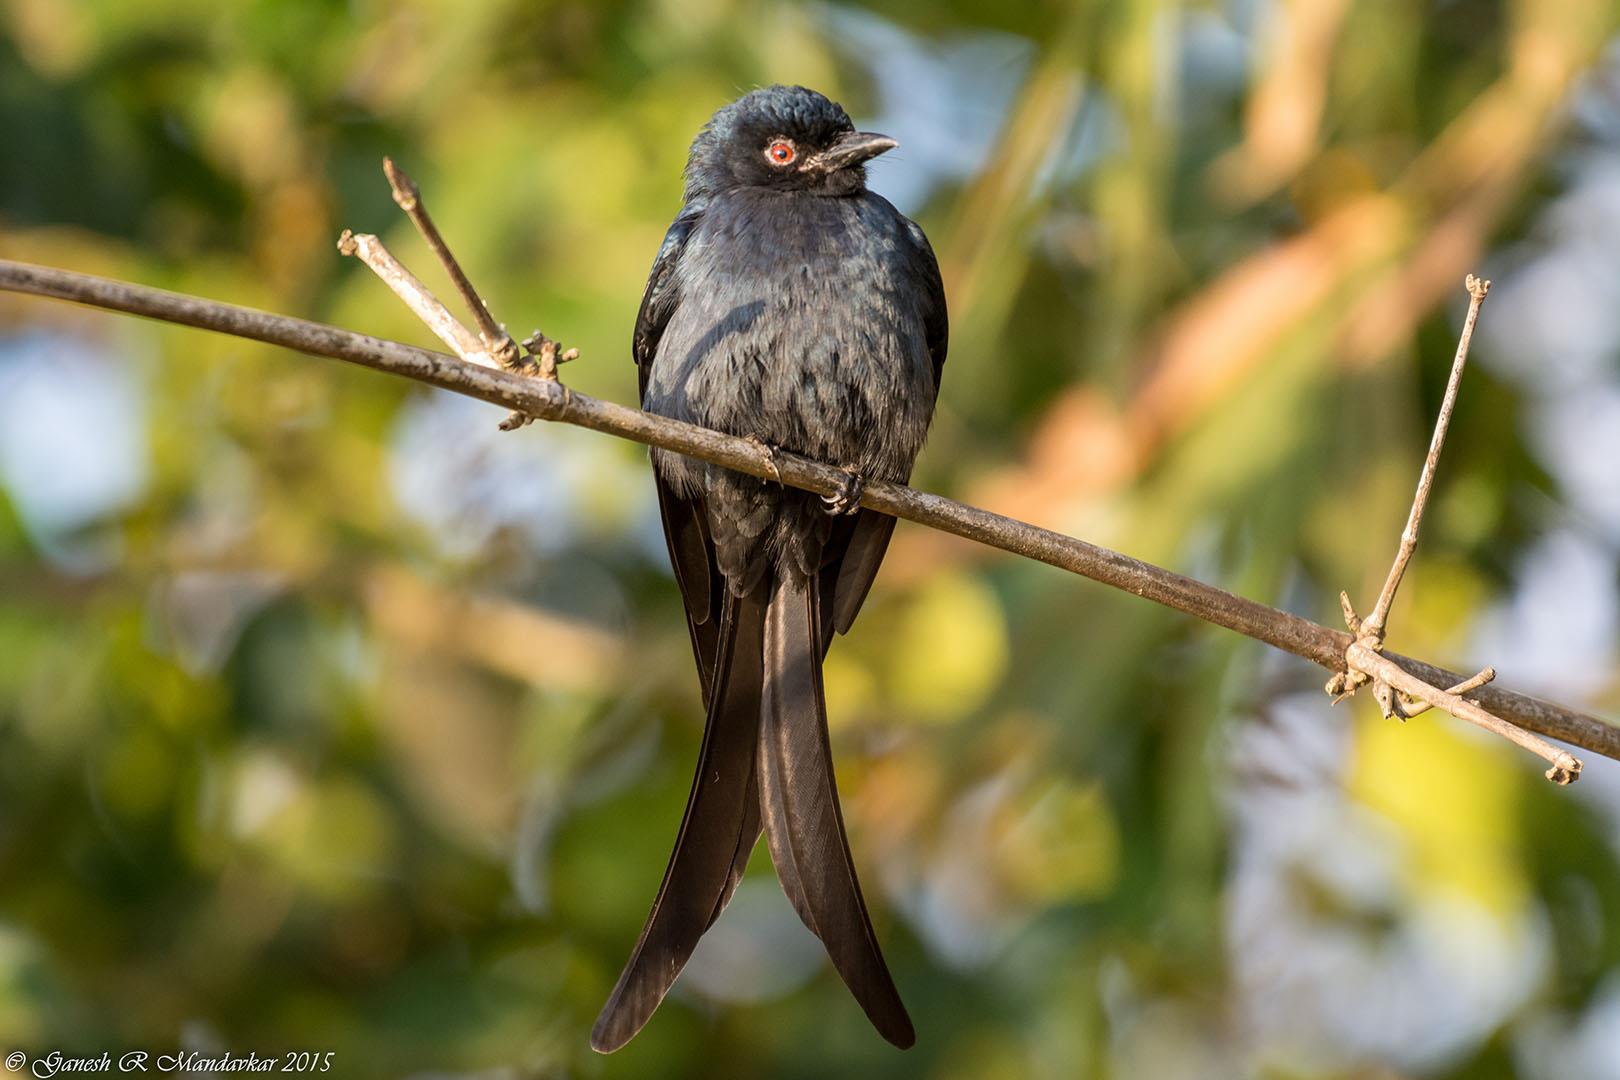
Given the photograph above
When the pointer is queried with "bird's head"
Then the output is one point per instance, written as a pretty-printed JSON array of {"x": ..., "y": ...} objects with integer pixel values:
[{"x": 784, "y": 138}]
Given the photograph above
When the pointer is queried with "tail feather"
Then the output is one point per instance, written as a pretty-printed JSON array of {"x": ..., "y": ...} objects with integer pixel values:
[
  {"x": 777, "y": 826},
  {"x": 799, "y": 804},
  {"x": 721, "y": 824},
  {"x": 868, "y": 541},
  {"x": 747, "y": 838}
]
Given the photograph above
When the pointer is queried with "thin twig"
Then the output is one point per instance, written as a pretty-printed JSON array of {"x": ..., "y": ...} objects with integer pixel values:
[
  {"x": 497, "y": 342},
  {"x": 1566, "y": 769},
  {"x": 1364, "y": 660},
  {"x": 1374, "y": 624},
  {"x": 1467, "y": 686},
  {"x": 369, "y": 250},
  {"x": 545, "y": 400},
  {"x": 492, "y": 346}
]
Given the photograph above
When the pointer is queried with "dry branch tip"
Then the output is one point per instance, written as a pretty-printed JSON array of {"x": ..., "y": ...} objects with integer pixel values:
[
  {"x": 406, "y": 194},
  {"x": 1565, "y": 770},
  {"x": 496, "y": 343}
]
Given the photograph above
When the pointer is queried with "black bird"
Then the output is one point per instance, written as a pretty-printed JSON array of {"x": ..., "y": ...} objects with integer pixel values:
[{"x": 788, "y": 304}]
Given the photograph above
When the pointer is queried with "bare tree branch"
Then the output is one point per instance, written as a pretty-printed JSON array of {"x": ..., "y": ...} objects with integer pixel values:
[
  {"x": 498, "y": 344},
  {"x": 423, "y": 304},
  {"x": 1408, "y": 709},
  {"x": 549, "y": 400},
  {"x": 1364, "y": 660},
  {"x": 1566, "y": 769}
]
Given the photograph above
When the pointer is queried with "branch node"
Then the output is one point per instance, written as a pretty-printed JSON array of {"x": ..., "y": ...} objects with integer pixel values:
[
  {"x": 1384, "y": 694},
  {"x": 546, "y": 355},
  {"x": 515, "y": 420},
  {"x": 505, "y": 351},
  {"x": 1565, "y": 770},
  {"x": 1352, "y": 621}
]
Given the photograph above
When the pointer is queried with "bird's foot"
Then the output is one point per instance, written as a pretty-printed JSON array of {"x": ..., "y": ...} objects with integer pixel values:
[
  {"x": 769, "y": 453},
  {"x": 847, "y": 499}
]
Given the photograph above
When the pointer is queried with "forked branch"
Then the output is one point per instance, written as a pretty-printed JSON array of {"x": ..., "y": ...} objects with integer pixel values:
[
  {"x": 1364, "y": 659},
  {"x": 480, "y": 376}
]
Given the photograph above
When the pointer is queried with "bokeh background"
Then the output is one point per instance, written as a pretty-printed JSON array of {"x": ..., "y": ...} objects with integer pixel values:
[{"x": 331, "y": 718}]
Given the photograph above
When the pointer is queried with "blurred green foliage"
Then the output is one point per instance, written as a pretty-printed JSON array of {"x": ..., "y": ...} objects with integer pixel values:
[{"x": 330, "y": 719}]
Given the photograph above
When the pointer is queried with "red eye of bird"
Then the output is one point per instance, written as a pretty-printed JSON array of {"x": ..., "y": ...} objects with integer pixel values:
[{"x": 781, "y": 152}]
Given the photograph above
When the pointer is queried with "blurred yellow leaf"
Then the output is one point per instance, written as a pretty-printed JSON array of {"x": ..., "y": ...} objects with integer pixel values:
[
  {"x": 1454, "y": 797},
  {"x": 951, "y": 649},
  {"x": 1058, "y": 841}
]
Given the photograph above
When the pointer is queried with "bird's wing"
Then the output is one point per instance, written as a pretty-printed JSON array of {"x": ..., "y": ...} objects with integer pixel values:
[
  {"x": 799, "y": 801},
  {"x": 691, "y": 550},
  {"x": 936, "y": 320},
  {"x": 853, "y": 565},
  {"x": 691, "y": 553},
  {"x": 662, "y": 295},
  {"x": 721, "y": 820}
]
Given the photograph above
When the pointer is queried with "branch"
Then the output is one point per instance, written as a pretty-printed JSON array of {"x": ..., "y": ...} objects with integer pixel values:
[
  {"x": 1374, "y": 626},
  {"x": 1565, "y": 768},
  {"x": 549, "y": 400},
  {"x": 423, "y": 304},
  {"x": 498, "y": 344},
  {"x": 1364, "y": 660},
  {"x": 491, "y": 346}
]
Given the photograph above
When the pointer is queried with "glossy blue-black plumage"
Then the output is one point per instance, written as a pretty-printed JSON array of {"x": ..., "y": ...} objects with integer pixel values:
[{"x": 790, "y": 304}]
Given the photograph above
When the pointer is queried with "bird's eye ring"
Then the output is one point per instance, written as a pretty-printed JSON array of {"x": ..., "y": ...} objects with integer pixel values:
[{"x": 781, "y": 152}]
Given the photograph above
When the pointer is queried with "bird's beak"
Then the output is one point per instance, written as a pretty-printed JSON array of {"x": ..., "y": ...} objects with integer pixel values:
[{"x": 854, "y": 148}]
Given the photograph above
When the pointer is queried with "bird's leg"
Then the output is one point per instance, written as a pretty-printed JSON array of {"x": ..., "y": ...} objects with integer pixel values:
[
  {"x": 769, "y": 453},
  {"x": 847, "y": 499}
]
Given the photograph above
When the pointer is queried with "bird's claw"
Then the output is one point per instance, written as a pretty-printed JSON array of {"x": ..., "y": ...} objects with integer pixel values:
[{"x": 847, "y": 499}]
